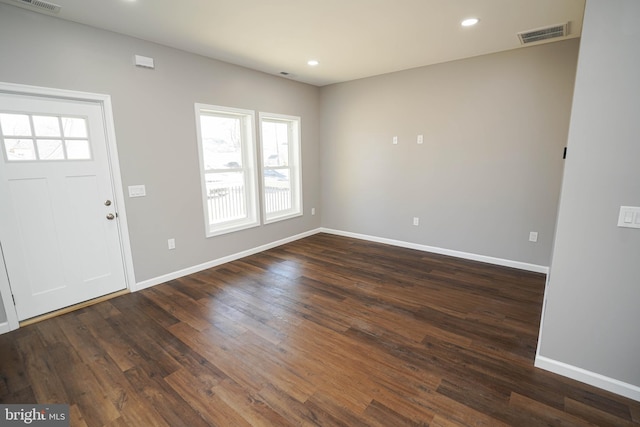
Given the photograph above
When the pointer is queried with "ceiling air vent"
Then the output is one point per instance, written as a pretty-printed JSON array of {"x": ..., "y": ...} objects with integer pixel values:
[
  {"x": 40, "y": 5},
  {"x": 546, "y": 33}
]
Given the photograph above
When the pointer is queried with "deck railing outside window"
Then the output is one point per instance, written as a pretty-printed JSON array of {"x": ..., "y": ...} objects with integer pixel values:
[
  {"x": 277, "y": 199},
  {"x": 228, "y": 203}
]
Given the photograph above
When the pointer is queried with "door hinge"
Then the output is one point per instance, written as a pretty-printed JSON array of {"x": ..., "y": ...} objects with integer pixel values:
[{"x": 564, "y": 153}]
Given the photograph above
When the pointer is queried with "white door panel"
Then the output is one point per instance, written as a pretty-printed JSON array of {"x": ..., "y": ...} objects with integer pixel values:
[
  {"x": 34, "y": 226},
  {"x": 59, "y": 247}
]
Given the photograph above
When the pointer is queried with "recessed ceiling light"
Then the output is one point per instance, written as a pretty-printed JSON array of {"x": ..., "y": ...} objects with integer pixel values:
[
  {"x": 469, "y": 22},
  {"x": 312, "y": 62}
]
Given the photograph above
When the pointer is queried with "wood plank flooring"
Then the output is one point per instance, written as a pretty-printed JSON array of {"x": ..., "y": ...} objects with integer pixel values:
[{"x": 324, "y": 331}]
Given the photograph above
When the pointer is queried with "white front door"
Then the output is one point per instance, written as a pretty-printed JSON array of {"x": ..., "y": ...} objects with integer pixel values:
[{"x": 58, "y": 217}]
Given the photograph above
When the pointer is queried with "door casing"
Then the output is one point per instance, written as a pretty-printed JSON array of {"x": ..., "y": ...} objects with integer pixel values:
[{"x": 105, "y": 103}]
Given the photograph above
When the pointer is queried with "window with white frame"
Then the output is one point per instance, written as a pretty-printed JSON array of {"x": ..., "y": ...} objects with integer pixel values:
[
  {"x": 228, "y": 168},
  {"x": 281, "y": 166}
]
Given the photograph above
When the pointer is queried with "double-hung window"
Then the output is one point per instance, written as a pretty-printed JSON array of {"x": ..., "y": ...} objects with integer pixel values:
[
  {"x": 281, "y": 182},
  {"x": 228, "y": 168}
]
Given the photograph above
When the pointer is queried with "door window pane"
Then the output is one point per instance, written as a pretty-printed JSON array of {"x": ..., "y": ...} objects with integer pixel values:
[
  {"x": 74, "y": 127},
  {"x": 19, "y": 149},
  {"x": 78, "y": 150},
  {"x": 15, "y": 124},
  {"x": 46, "y": 126},
  {"x": 50, "y": 149}
]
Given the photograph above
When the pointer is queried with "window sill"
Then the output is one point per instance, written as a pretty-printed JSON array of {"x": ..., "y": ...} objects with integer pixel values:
[
  {"x": 230, "y": 229},
  {"x": 282, "y": 217}
]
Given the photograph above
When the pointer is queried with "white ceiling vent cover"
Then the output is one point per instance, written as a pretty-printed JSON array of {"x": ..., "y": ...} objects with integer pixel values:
[
  {"x": 540, "y": 34},
  {"x": 39, "y": 5}
]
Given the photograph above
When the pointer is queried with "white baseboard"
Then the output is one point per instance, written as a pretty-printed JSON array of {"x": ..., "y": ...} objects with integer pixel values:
[
  {"x": 4, "y": 328},
  {"x": 597, "y": 380},
  {"x": 216, "y": 262},
  {"x": 457, "y": 254},
  {"x": 465, "y": 255}
]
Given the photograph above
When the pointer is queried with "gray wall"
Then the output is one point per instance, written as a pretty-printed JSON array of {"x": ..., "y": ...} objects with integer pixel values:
[
  {"x": 489, "y": 171},
  {"x": 592, "y": 316},
  {"x": 155, "y": 127}
]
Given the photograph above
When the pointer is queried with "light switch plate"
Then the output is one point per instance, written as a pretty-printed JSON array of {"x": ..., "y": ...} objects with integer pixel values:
[
  {"x": 629, "y": 217},
  {"x": 137, "y": 191}
]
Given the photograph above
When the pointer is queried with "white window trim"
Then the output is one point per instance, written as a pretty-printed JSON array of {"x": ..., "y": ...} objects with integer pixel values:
[
  {"x": 296, "y": 170},
  {"x": 249, "y": 158}
]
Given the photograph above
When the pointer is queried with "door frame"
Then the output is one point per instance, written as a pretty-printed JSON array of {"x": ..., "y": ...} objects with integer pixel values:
[{"x": 114, "y": 167}]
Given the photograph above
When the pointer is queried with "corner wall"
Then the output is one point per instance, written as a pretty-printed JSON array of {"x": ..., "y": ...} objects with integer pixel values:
[
  {"x": 591, "y": 324},
  {"x": 489, "y": 169},
  {"x": 155, "y": 128}
]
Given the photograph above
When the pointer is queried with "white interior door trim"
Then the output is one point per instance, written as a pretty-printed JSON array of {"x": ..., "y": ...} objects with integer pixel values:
[
  {"x": 105, "y": 102},
  {"x": 5, "y": 293}
]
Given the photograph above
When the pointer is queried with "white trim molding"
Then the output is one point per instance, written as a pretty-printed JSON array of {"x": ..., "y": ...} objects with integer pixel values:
[
  {"x": 216, "y": 262},
  {"x": 449, "y": 252},
  {"x": 6, "y": 296},
  {"x": 4, "y": 328},
  {"x": 597, "y": 380}
]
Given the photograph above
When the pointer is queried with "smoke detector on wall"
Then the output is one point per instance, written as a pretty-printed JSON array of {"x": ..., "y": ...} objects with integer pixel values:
[
  {"x": 35, "y": 5},
  {"x": 545, "y": 33}
]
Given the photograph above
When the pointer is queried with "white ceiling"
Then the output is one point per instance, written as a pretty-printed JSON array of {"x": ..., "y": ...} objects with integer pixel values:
[{"x": 351, "y": 39}]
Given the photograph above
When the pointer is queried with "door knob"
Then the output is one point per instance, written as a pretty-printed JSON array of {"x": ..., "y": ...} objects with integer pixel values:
[
  {"x": 107, "y": 203},
  {"x": 110, "y": 216}
]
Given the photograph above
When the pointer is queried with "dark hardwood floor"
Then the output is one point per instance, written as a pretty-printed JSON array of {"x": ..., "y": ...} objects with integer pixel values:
[{"x": 324, "y": 331}]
